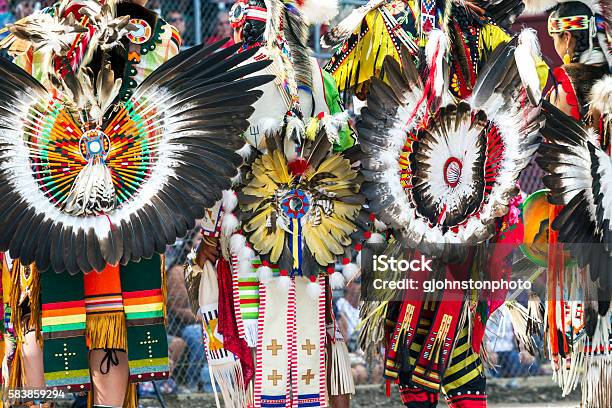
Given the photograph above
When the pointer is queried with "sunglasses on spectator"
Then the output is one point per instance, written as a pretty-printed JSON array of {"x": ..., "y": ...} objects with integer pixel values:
[{"x": 175, "y": 19}]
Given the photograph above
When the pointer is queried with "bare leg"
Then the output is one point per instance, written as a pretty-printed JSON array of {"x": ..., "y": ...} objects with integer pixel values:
[
  {"x": 340, "y": 401},
  {"x": 33, "y": 362},
  {"x": 110, "y": 378}
]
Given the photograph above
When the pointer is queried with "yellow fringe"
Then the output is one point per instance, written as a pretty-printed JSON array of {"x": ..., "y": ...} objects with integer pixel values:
[
  {"x": 30, "y": 286},
  {"x": 131, "y": 397},
  {"x": 164, "y": 285},
  {"x": 107, "y": 330},
  {"x": 17, "y": 371}
]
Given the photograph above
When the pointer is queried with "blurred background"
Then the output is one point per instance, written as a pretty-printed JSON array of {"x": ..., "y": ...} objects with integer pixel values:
[{"x": 206, "y": 21}]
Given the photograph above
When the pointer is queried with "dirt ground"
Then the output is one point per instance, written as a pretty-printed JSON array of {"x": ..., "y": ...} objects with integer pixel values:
[{"x": 534, "y": 392}]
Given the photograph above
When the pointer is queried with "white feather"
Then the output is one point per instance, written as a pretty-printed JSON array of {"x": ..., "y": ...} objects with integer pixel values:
[
  {"x": 237, "y": 242},
  {"x": 230, "y": 201},
  {"x": 246, "y": 254},
  {"x": 265, "y": 274},
  {"x": 346, "y": 27},
  {"x": 313, "y": 290},
  {"x": 538, "y": 6},
  {"x": 230, "y": 224},
  {"x": 284, "y": 283},
  {"x": 350, "y": 271},
  {"x": 319, "y": 11},
  {"x": 336, "y": 280},
  {"x": 437, "y": 46},
  {"x": 601, "y": 95},
  {"x": 527, "y": 54}
]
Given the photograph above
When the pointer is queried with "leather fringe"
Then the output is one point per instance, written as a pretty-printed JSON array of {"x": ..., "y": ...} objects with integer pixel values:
[
  {"x": 340, "y": 374},
  {"x": 108, "y": 330}
]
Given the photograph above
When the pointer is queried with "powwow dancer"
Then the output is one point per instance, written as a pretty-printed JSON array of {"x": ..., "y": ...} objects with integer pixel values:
[
  {"x": 426, "y": 181},
  {"x": 290, "y": 219},
  {"x": 111, "y": 149},
  {"x": 576, "y": 157}
]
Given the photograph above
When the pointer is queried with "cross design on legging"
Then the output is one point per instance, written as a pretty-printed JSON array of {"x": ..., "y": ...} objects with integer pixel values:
[
  {"x": 275, "y": 377},
  {"x": 149, "y": 342},
  {"x": 274, "y": 347},
  {"x": 308, "y": 347},
  {"x": 308, "y": 377},
  {"x": 65, "y": 355}
]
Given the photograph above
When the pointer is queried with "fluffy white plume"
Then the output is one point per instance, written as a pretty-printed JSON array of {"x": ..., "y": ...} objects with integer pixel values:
[
  {"x": 265, "y": 274},
  {"x": 230, "y": 224},
  {"x": 538, "y": 6},
  {"x": 230, "y": 201},
  {"x": 319, "y": 11},
  {"x": 246, "y": 254},
  {"x": 350, "y": 271},
  {"x": 284, "y": 282},
  {"x": 336, "y": 280},
  {"x": 601, "y": 95},
  {"x": 313, "y": 289},
  {"x": 376, "y": 238},
  {"x": 237, "y": 242}
]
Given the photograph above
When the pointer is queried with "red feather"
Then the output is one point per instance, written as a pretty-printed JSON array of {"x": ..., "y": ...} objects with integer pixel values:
[{"x": 298, "y": 166}]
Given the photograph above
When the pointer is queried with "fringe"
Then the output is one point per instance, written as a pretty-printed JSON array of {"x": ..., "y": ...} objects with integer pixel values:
[
  {"x": 250, "y": 332},
  {"x": 108, "y": 330},
  {"x": 17, "y": 370},
  {"x": 341, "y": 377},
  {"x": 164, "y": 286},
  {"x": 596, "y": 390},
  {"x": 131, "y": 396},
  {"x": 230, "y": 380},
  {"x": 25, "y": 284}
]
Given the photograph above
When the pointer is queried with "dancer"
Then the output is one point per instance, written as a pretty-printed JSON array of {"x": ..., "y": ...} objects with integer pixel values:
[
  {"x": 111, "y": 150},
  {"x": 381, "y": 28},
  {"x": 295, "y": 212},
  {"x": 433, "y": 206},
  {"x": 576, "y": 157}
]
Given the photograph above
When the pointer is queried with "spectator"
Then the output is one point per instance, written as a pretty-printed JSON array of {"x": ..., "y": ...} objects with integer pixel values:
[
  {"x": 183, "y": 323},
  {"x": 503, "y": 349},
  {"x": 348, "y": 315},
  {"x": 223, "y": 29},
  {"x": 177, "y": 19},
  {"x": 24, "y": 9},
  {"x": 6, "y": 17}
]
